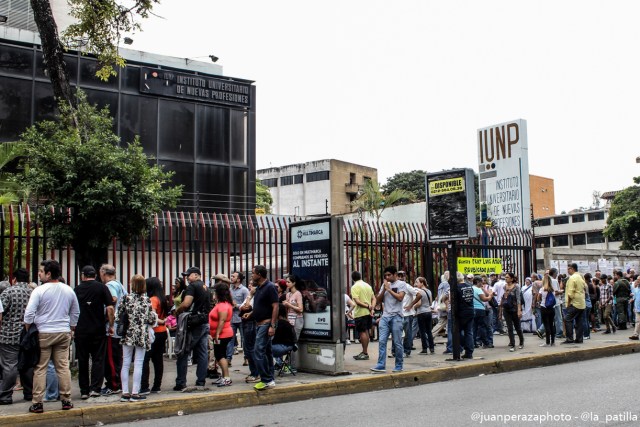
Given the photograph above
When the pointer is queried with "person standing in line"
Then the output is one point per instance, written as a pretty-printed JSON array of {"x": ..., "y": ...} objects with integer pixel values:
[
  {"x": 159, "y": 304},
  {"x": 622, "y": 292},
  {"x": 239, "y": 292},
  {"x": 136, "y": 340},
  {"x": 392, "y": 293},
  {"x": 511, "y": 310},
  {"x": 53, "y": 308},
  {"x": 294, "y": 304},
  {"x": 96, "y": 309},
  {"x": 575, "y": 300},
  {"x": 265, "y": 315},
  {"x": 113, "y": 359},
  {"x": 443, "y": 288},
  {"x": 547, "y": 301},
  {"x": 482, "y": 333},
  {"x": 423, "y": 315},
  {"x": 408, "y": 316},
  {"x": 221, "y": 331},
  {"x": 14, "y": 302},
  {"x": 636, "y": 308},
  {"x": 362, "y": 295},
  {"x": 196, "y": 301},
  {"x": 249, "y": 327}
]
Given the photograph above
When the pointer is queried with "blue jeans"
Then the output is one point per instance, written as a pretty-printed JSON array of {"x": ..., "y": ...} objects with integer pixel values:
[
  {"x": 390, "y": 325},
  {"x": 587, "y": 325},
  {"x": 466, "y": 334},
  {"x": 409, "y": 333},
  {"x": 51, "y": 392},
  {"x": 481, "y": 328},
  {"x": 263, "y": 354},
  {"x": 200, "y": 347},
  {"x": 234, "y": 342},
  {"x": 249, "y": 342}
]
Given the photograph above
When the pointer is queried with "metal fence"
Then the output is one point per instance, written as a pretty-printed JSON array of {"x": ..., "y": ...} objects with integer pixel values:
[{"x": 224, "y": 243}]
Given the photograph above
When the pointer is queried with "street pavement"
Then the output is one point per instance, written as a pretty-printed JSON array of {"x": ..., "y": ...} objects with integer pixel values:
[{"x": 419, "y": 369}]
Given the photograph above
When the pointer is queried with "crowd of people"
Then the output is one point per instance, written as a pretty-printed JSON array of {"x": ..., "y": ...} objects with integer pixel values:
[
  {"x": 569, "y": 307},
  {"x": 113, "y": 328}
]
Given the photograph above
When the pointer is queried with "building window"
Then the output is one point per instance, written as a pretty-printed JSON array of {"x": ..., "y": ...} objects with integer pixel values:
[
  {"x": 543, "y": 242},
  {"x": 561, "y": 240},
  {"x": 286, "y": 180},
  {"x": 577, "y": 218},
  {"x": 579, "y": 239},
  {"x": 595, "y": 237},
  {"x": 297, "y": 179},
  {"x": 561, "y": 220},
  {"x": 544, "y": 222},
  {"x": 271, "y": 182},
  {"x": 318, "y": 176},
  {"x": 352, "y": 178},
  {"x": 596, "y": 216}
]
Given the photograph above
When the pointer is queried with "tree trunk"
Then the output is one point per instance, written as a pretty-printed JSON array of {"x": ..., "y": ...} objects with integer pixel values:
[{"x": 53, "y": 51}]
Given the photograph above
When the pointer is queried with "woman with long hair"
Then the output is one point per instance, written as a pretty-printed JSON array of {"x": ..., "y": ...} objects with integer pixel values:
[
  {"x": 423, "y": 315},
  {"x": 179, "y": 286},
  {"x": 547, "y": 302},
  {"x": 511, "y": 309},
  {"x": 293, "y": 303},
  {"x": 136, "y": 339},
  {"x": 221, "y": 331},
  {"x": 155, "y": 292}
]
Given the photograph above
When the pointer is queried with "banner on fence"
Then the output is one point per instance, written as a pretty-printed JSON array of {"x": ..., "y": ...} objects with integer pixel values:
[{"x": 479, "y": 265}]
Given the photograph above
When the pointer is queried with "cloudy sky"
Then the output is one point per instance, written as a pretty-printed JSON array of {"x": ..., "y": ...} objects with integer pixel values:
[{"x": 405, "y": 85}]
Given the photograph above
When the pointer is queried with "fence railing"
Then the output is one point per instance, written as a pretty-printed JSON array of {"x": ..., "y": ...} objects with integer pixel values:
[{"x": 224, "y": 243}]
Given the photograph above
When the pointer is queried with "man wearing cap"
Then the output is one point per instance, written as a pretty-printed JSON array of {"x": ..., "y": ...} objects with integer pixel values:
[
  {"x": 90, "y": 337},
  {"x": 265, "y": 314},
  {"x": 113, "y": 358},
  {"x": 196, "y": 301}
]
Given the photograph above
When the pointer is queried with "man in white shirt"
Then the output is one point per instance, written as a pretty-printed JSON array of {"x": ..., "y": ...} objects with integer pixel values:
[
  {"x": 498, "y": 291},
  {"x": 408, "y": 313},
  {"x": 53, "y": 308}
]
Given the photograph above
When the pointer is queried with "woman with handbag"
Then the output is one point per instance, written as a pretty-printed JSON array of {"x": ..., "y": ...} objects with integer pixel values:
[
  {"x": 136, "y": 338},
  {"x": 511, "y": 309},
  {"x": 155, "y": 293}
]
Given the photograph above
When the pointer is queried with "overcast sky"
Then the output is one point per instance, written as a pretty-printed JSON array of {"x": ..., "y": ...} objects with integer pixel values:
[{"x": 405, "y": 85}]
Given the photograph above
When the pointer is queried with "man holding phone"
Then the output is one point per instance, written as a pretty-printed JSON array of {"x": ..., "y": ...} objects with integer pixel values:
[{"x": 391, "y": 293}]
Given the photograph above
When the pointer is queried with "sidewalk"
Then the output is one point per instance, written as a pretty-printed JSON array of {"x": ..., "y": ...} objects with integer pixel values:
[{"x": 418, "y": 369}]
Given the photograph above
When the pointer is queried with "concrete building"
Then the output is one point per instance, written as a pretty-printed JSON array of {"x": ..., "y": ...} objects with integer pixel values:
[
  {"x": 542, "y": 194},
  {"x": 315, "y": 188}
]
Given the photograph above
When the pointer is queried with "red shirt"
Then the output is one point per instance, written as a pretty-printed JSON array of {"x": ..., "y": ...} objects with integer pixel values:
[{"x": 214, "y": 315}]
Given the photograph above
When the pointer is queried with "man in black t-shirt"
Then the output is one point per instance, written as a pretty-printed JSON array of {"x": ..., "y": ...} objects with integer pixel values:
[
  {"x": 95, "y": 302},
  {"x": 195, "y": 301},
  {"x": 464, "y": 315},
  {"x": 265, "y": 314}
]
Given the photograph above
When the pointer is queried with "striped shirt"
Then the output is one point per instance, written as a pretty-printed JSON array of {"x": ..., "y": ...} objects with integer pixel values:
[{"x": 606, "y": 294}]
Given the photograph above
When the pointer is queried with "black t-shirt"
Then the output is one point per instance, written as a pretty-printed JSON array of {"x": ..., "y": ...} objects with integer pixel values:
[
  {"x": 93, "y": 297},
  {"x": 266, "y": 294},
  {"x": 200, "y": 296},
  {"x": 285, "y": 334},
  {"x": 464, "y": 295}
]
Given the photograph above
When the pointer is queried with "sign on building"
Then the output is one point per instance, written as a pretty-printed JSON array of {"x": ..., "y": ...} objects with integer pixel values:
[
  {"x": 503, "y": 162},
  {"x": 451, "y": 205}
]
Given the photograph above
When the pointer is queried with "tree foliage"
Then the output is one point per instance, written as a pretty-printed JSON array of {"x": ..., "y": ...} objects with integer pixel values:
[
  {"x": 373, "y": 201},
  {"x": 623, "y": 222},
  {"x": 10, "y": 191},
  {"x": 264, "y": 200},
  {"x": 413, "y": 182},
  {"x": 101, "y": 190}
]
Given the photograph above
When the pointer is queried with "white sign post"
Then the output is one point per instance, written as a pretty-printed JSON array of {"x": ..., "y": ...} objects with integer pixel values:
[{"x": 504, "y": 174}]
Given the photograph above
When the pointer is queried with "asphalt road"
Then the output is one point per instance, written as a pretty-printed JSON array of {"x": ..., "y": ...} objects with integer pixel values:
[{"x": 593, "y": 393}]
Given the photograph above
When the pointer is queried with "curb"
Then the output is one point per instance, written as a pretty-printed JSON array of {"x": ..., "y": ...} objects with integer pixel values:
[{"x": 209, "y": 402}]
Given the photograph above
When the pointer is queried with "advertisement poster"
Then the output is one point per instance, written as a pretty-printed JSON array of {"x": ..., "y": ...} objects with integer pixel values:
[
  {"x": 311, "y": 261},
  {"x": 450, "y": 205}
]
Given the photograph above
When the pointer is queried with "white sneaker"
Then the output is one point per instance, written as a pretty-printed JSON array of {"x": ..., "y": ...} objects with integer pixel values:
[{"x": 348, "y": 342}]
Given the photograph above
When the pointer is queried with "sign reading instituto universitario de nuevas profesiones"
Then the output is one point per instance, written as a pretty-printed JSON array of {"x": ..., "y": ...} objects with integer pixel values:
[{"x": 215, "y": 90}]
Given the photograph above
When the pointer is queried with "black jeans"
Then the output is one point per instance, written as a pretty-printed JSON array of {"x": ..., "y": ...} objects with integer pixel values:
[
  {"x": 424, "y": 326},
  {"x": 92, "y": 347},
  {"x": 548, "y": 320},
  {"x": 113, "y": 364},
  {"x": 574, "y": 315},
  {"x": 156, "y": 356},
  {"x": 511, "y": 317}
]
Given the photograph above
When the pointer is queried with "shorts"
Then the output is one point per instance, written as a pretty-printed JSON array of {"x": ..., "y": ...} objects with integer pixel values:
[
  {"x": 363, "y": 323},
  {"x": 220, "y": 350}
]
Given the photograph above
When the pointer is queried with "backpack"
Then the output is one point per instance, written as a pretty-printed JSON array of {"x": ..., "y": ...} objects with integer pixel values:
[
  {"x": 550, "y": 300},
  {"x": 509, "y": 301}
]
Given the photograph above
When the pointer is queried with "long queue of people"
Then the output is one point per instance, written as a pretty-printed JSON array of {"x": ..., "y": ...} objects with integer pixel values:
[
  {"x": 551, "y": 306},
  {"x": 113, "y": 328}
]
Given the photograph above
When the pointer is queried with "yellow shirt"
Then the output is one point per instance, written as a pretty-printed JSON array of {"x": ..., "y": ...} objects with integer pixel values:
[
  {"x": 575, "y": 291},
  {"x": 363, "y": 292}
]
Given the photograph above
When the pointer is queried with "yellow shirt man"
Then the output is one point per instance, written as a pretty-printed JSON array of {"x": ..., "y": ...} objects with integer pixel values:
[
  {"x": 574, "y": 291},
  {"x": 361, "y": 291}
]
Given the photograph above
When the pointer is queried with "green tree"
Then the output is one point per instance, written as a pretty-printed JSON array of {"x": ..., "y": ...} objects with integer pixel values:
[
  {"x": 623, "y": 222},
  {"x": 264, "y": 200},
  {"x": 373, "y": 201},
  {"x": 413, "y": 182},
  {"x": 98, "y": 29},
  {"x": 100, "y": 190},
  {"x": 10, "y": 191}
]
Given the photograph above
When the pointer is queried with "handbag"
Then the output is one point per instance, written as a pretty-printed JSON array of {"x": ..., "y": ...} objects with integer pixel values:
[
  {"x": 196, "y": 319},
  {"x": 123, "y": 321}
]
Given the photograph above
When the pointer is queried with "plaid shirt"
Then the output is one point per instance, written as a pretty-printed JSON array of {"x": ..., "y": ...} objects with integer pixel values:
[
  {"x": 14, "y": 300},
  {"x": 606, "y": 294}
]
